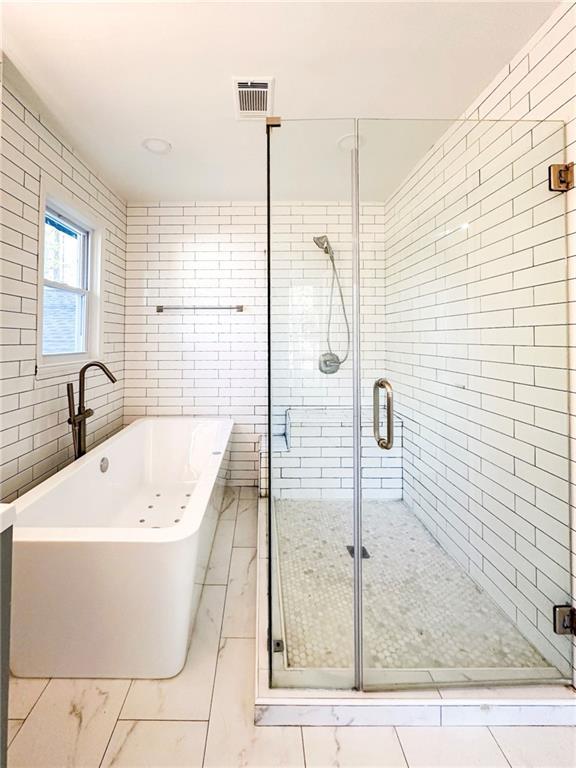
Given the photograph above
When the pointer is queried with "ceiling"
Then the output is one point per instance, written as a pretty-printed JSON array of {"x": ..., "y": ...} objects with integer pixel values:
[{"x": 112, "y": 74}]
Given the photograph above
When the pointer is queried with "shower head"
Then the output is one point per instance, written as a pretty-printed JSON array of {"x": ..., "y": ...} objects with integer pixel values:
[{"x": 324, "y": 244}]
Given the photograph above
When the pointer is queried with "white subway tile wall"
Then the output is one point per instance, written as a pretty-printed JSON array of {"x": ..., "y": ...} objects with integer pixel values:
[
  {"x": 202, "y": 362},
  {"x": 207, "y": 362},
  {"x": 34, "y": 431},
  {"x": 475, "y": 306},
  {"x": 316, "y": 460}
]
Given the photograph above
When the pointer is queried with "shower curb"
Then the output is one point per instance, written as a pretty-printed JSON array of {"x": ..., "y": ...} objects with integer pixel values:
[{"x": 397, "y": 712}]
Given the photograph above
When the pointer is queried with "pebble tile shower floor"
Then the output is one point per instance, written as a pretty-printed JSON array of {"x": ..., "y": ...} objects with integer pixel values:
[{"x": 421, "y": 609}]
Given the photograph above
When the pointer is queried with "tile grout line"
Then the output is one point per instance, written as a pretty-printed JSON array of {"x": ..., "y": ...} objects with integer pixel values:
[
  {"x": 237, "y": 502},
  {"x": 15, "y": 719},
  {"x": 402, "y": 745},
  {"x": 115, "y": 724},
  {"x": 49, "y": 680},
  {"x": 499, "y": 746},
  {"x": 162, "y": 720},
  {"x": 303, "y": 745}
]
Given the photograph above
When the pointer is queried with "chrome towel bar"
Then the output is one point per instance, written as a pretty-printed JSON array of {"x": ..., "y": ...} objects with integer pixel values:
[{"x": 176, "y": 307}]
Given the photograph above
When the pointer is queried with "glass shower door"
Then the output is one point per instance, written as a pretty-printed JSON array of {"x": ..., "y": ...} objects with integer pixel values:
[
  {"x": 464, "y": 455},
  {"x": 311, "y": 405}
]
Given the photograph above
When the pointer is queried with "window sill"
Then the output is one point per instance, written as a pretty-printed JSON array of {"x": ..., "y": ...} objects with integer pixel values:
[{"x": 52, "y": 370}]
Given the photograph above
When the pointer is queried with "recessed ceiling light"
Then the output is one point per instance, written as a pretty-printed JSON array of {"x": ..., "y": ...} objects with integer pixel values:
[{"x": 157, "y": 146}]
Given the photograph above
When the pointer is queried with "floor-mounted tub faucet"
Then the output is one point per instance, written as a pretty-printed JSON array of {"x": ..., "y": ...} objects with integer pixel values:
[{"x": 78, "y": 420}]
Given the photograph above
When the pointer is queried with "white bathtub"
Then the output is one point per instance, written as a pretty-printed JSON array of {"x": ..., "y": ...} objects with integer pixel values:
[{"x": 109, "y": 565}]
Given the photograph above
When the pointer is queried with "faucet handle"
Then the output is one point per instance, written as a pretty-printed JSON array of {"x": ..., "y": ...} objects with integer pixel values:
[
  {"x": 72, "y": 415},
  {"x": 70, "y": 394}
]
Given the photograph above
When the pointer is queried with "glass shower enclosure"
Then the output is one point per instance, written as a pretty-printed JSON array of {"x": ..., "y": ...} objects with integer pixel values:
[{"x": 418, "y": 443}]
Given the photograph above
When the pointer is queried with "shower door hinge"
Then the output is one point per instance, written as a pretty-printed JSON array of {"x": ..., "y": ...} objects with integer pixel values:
[
  {"x": 561, "y": 177},
  {"x": 564, "y": 620}
]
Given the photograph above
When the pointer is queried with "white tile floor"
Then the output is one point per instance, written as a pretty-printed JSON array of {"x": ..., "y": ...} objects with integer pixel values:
[{"x": 205, "y": 715}]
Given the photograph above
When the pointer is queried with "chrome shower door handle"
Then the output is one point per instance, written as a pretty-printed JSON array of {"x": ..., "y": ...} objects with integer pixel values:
[{"x": 387, "y": 443}]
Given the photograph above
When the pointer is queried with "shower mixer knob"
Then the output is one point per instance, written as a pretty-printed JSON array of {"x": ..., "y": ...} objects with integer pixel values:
[{"x": 329, "y": 363}]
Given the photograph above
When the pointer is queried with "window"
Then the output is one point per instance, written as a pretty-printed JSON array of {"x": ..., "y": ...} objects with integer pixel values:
[
  {"x": 68, "y": 283},
  {"x": 66, "y": 249}
]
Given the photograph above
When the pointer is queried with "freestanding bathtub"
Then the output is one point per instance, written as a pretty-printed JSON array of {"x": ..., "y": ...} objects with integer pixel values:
[{"x": 110, "y": 554}]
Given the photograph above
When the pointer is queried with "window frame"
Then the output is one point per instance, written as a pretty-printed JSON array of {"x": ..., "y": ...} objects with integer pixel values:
[{"x": 56, "y": 201}]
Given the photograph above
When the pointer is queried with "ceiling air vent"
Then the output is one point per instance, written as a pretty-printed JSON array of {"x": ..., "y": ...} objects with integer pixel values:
[{"x": 253, "y": 98}]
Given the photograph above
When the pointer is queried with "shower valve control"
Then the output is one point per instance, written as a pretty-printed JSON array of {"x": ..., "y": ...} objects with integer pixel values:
[{"x": 564, "y": 620}]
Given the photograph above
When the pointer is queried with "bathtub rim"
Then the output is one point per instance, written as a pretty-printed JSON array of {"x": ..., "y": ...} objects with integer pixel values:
[{"x": 188, "y": 526}]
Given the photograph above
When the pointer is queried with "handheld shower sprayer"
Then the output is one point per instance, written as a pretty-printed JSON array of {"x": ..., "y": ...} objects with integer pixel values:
[
  {"x": 330, "y": 362},
  {"x": 324, "y": 244}
]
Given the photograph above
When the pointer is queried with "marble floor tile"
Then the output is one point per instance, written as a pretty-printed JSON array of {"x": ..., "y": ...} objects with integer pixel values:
[
  {"x": 451, "y": 748},
  {"x": 246, "y": 523},
  {"x": 219, "y": 563},
  {"x": 248, "y": 492},
  {"x": 70, "y": 725},
  {"x": 352, "y": 747},
  {"x": 230, "y": 503},
  {"x": 240, "y": 609},
  {"x": 510, "y": 692},
  {"x": 538, "y": 747},
  {"x": 262, "y": 528},
  {"x": 233, "y": 739},
  {"x": 153, "y": 744},
  {"x": 475, "y": 715},
  {"x": 24, "y": 692},
  {"x": 13, "y": 728},
  {"x": 186, "y": 696}
]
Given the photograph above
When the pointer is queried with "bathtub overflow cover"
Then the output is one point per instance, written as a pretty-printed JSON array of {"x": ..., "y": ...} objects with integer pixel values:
[{"x": 104, "y": 464}]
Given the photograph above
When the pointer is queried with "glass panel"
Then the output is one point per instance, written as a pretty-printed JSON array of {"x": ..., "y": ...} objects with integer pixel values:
[
  {"x": 463, "y": 309},
  {"x": 64, "y": 322},
  {"x": 64, "y": 253},
  {"x": 311, "y": 473}
]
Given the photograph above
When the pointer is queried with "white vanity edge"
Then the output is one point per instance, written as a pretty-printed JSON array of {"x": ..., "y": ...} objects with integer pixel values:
[{"x": 7, "y": 516}]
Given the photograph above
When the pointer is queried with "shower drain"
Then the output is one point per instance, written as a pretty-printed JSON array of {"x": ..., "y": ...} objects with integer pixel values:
[{"x": 365, "y": 553}]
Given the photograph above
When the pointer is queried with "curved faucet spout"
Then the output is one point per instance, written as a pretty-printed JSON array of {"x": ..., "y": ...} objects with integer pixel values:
[
  {"x": 85, "y": 368},
  {"x": 98, "y": 364},
  {"x": 78, "y": 420},
  {"x": 82, "y": 385}
]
